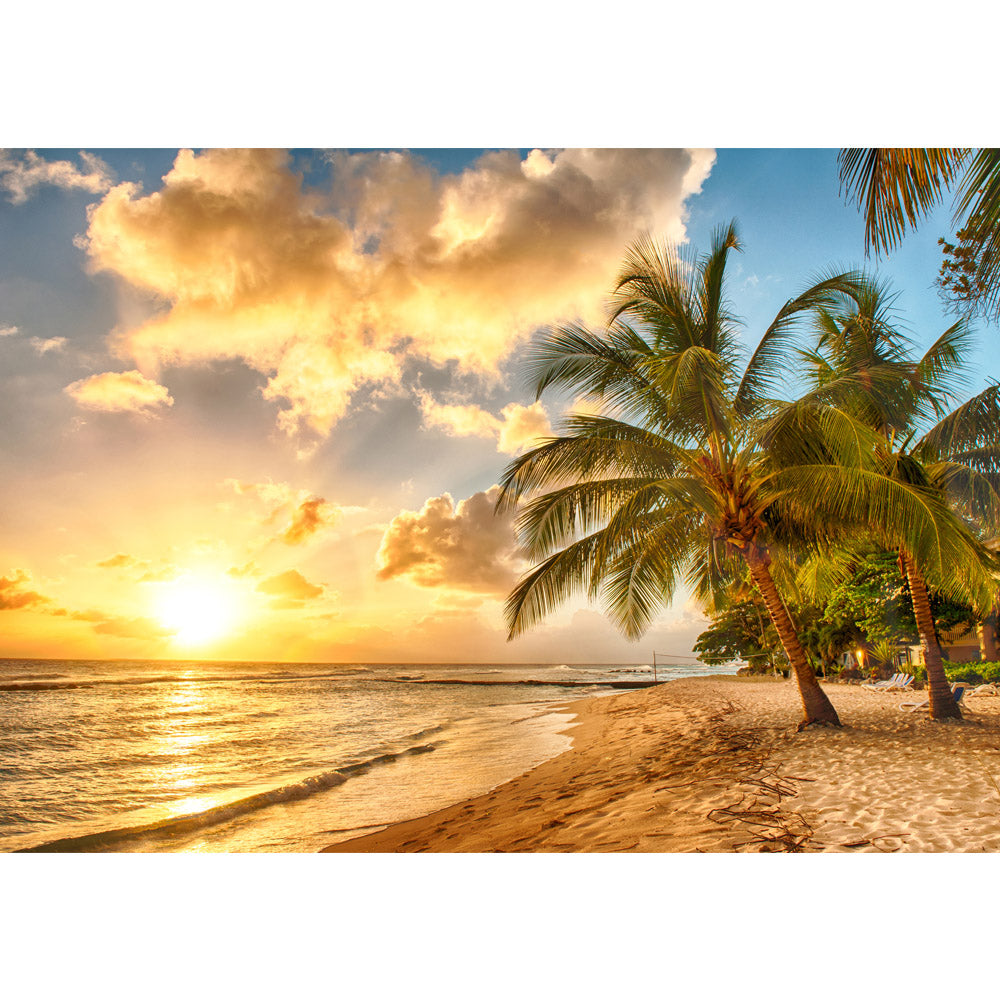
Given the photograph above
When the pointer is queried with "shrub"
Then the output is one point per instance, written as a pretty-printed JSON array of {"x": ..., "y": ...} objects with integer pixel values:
[{"x": 972, "y": 673}]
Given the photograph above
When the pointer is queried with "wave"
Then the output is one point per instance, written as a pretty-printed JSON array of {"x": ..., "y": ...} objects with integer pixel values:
[
  {"x": 520, "y": 683},
  {"x": 170, "y": 826},
  {"x": 60, "y": 682}
]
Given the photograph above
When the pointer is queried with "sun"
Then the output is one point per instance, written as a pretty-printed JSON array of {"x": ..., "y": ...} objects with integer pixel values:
[{"x": 198, "y": 610}]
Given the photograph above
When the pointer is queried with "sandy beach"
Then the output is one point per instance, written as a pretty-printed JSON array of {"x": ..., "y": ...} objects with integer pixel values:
[{"x": 716, "y": 765}]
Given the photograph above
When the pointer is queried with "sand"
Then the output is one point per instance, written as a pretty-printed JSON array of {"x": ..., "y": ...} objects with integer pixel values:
[{"x": 716, "y": 765}]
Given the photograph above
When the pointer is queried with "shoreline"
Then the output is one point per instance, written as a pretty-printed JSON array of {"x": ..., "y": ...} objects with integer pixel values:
[{"x": 715, "y": 764}]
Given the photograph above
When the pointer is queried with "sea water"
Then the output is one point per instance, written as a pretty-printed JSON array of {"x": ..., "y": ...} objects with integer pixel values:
[{"x": 207, "y": 756}]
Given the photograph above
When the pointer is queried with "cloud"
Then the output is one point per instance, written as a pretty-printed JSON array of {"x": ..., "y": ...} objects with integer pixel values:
[
  {"x": 328, "y": 292},
  {"x": 132, "y": 628},
  {"x": 13, "y": 594},
  {"x": 120, "y": 392},
  {"x": 290, "y": 589},
  {"x": 516, "y": 428},
  {"x": 49, "y": 344},
  {"x": 20, "y": 176},
  {"x": 162, "y": 575},
  {"x": 522, "y": 426},
  {"x": 119, "y": 561},
  {"x": 466, "y": 547},
  {"x": 308, "y": 518},
  {"x": 8, "y": 331},
  {"x": 145, "y": 569},
  {"x": 117, "y": 625},
  {"x": 306, "y": 513},
  {"x": 248, "y": 569}
]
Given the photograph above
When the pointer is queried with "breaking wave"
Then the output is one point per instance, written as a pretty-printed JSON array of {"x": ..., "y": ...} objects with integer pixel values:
[{"x": 222, "y": 812}]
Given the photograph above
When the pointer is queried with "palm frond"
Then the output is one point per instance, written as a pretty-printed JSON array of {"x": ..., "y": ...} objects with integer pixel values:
[
  {"x": 596, "y": 447},
  {"x": 558, "y": 578},
  {"x": 894, "y": 187},
  {"x": 767, "y": 364},
  {"x": 970, "y": 492},
  {"x": 973, "y": 426},
  {"x": 643, "y": 578},
  {"x": 940, "y": 374},
  {"x": 897, "y": 514},
  {"x": 561, "y": 515}
]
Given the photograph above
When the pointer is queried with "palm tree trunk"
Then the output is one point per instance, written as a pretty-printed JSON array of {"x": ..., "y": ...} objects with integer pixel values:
[
  {"x": 815, "y": 704},
  {"x": 988, "y": 636},
  {"x": 942, "y": 701}
]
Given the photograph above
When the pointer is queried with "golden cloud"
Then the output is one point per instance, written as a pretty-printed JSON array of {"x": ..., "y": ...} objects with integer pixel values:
[
  {"x": 116, "y": 625},
  {"x": 518, "y": 427},
  {"x": 120, "y": 392},
  {"x": 119, "y": 561},
  {"x": 290, "y": 586},
  {"x": 308, "y": 518},
  {"x": 147, "y": 572},
  {"x": 327, "y": 294},
  {"x": 14, "y": 595},
  {"x": 464, "y": 547},
  {"x": 307, "y": 514}
]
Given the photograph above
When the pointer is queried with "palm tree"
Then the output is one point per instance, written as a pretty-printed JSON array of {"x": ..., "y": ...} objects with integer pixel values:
[
  {"x": 688, "y": 467},
  {"x": 896, "y": 187},
  {"x": 863, "y": 365}
]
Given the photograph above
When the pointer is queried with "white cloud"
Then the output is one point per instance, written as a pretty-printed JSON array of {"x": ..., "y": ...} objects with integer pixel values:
[
  {"x": 120, "y": 392},
  {"x": 49, "y": 344},
  {"x": 325, "y": 295},
  {"x": 8, "y": 331},
  {"x": 20, "y": 176}
]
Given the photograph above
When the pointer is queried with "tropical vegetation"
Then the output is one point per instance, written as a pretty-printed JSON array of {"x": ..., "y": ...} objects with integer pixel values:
[
  {"x": 862, "y": 366},
  {"x": 684, "y": 466}
]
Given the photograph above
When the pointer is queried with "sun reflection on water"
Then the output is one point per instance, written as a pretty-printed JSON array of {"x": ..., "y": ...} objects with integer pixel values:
[{"x": 179, "y": 740}]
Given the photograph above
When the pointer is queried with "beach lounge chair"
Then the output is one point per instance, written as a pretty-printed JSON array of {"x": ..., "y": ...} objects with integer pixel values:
[
  {"x": 898, "y": 682},
  {"x": 981, "y": 689},
  {"x": 958, "y": 690},
  {"x": 883, "y": 685}
]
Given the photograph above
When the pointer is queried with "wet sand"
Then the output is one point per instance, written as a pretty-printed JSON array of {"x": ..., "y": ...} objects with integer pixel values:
[{"x": 716, "y": 765}]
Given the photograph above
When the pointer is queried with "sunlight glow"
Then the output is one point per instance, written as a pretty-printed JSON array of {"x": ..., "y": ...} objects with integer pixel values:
[{"x": 198, "y": 609}]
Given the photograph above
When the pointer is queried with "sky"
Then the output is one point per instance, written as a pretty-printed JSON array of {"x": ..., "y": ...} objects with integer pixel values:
[{"x": 255, "y": 404}]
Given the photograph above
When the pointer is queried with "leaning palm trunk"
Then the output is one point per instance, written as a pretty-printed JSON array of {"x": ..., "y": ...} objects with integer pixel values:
[
  {"x": 816, "y": 706},
  {"x": 988, "y": 636},
  {"x": 942, "y": 701}
]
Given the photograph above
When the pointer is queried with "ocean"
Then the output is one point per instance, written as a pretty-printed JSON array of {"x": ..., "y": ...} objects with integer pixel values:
[{"x": 188, "y": 756}]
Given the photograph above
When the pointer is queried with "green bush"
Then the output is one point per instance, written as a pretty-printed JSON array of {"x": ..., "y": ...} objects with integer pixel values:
[
  {"x": 968, "y": 673},
  {"x": 972, "y": 673}
]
